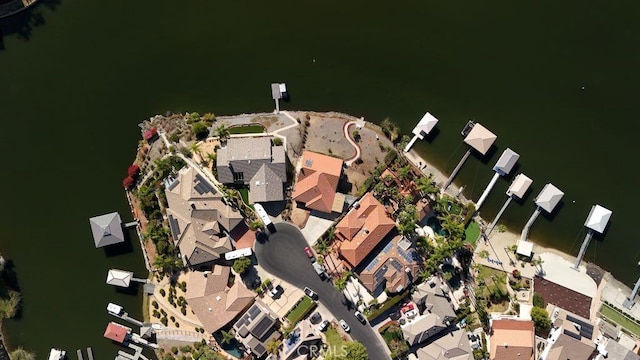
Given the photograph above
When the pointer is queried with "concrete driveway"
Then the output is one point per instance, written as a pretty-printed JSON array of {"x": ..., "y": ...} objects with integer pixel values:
[
  {"x": 315, "y": 227},
  {"x": 283, "y": 256}
]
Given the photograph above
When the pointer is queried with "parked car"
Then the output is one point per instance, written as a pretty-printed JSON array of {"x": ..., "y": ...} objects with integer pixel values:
[
  {"x": 275, "y": 291},
  {"x": 360, "y": 317},
  {"x": 344, "y": 325},
  {"x": 319, "y": 270},
  {"x": 310, "y": 293},
  {"x": 315, "y": 317},
  {"x": 323, "y": 325},
  {"x": 307, "y": 250}
]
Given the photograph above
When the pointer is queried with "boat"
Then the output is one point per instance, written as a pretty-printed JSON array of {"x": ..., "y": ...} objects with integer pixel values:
[
  {"x": 467, "y": 128},
  {"x": 283, "y": 91},
  {"x": 57, "y": 354},
  {"x": 115, "y": 309}
]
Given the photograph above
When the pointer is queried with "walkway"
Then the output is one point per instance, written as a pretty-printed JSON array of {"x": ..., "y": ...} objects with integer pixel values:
[{"x": 345, "y": 130}]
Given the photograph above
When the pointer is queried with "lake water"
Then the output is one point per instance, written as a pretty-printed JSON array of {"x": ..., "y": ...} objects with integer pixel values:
[{"x": 81, "y": 75}]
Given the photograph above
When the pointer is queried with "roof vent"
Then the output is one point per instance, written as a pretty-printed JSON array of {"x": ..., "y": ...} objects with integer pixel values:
[
  {"x": 506, "y": 345},
  {"x": 218, "y": 298},
  {"x": 366, "y": 231},
  {"x": 192, "y": 204}
]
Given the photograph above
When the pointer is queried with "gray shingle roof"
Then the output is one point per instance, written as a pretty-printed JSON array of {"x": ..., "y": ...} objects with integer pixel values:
[
  {"x": 106, "y": 229},
  {"x": 265, "y": 186}
]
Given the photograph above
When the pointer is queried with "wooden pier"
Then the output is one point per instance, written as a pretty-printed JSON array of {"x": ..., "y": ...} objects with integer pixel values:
[
  {"x": 79, "y": 353},
  {"x": 131, "y": 224},
  {"x": 90, "y": 353}
]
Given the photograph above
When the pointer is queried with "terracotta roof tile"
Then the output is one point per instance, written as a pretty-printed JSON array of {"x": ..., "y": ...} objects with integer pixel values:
[{"x": 317, "y": 181}]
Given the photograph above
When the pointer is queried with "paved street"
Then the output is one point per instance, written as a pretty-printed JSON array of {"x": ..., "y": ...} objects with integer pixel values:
[{"x": 283, "y": 256}]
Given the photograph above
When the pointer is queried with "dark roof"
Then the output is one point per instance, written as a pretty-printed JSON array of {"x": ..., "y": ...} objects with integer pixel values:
[{"x": 563, "y": 297}]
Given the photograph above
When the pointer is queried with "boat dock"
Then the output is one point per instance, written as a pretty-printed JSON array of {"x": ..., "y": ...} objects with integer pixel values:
[
  {"x": 131, "y": 224},
  {"x": 122, "y": 355},
  {"x": 125, "y": 316},
  {"x": 90, "y": 353},
  {"x": 79, "y": 353}
]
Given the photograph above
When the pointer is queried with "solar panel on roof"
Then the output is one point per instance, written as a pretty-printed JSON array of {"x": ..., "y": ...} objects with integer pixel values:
[
  {"x": 262, "y": 326},
  {"x": 372, "y": 265},
  {"x": 573, "y": 335},
  {"x": 396, "y": 265},
  {"x": 175, "y": 228},
  {"x": 586, "y": 329},
  {"x": 254, "y": 311},
  {"x": 387, "y": 247}
]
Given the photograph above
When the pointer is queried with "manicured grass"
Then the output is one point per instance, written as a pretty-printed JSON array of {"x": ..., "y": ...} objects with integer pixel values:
[
  {"x": 615, "y": 316},
  {"x": 301, "y": 310},
  {"x": 472, "y": 233},
  {"x": 249, "y": 129},
  {"x": 244, "y": 192},
  {"x": 334, "y": 340}
]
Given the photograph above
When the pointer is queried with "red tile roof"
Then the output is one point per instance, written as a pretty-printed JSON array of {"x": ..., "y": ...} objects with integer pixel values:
[
  {"x": 512, "y": 340},
  {"x": 317, "y": 181},
  {"x": 362, "y": 229},
  {"x": 116, "y": 332}
]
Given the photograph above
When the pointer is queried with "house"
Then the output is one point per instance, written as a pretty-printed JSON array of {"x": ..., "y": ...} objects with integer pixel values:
[
  {"x": 436, "y": 313},
  {"x": 317, "y": 183},
  {"x": 511, "y": 339},
  {"x": 256, "y": 162},
  {"x": 395, "y": 266},
  {"x": 199, "y": 219},
  {"x": 451, "y": 346},
  {"x": 150, "y": 135},
  {"x": 362, "y": 229},
  {"x": 300, "y": 342},
  {"x": 611, "y": 349},
  {"x": 213, "y": 301},
  {"x": 257, "y": 327},
  {"x": 116, "y": 332},
  {"x": 571, "y": 337}
]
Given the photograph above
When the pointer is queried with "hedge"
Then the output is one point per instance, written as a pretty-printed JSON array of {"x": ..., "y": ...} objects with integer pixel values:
[{"x": 387, "y": 305}]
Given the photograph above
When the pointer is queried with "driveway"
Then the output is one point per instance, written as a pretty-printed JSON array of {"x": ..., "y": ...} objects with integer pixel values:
[{"x": 283, "y": 256}]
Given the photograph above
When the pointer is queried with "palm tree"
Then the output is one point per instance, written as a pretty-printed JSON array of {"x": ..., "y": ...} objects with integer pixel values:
[
  {"x": 321, "y": 246},
  {"x": 427, "y": 185},
  {"x": 452, "y": 226},
  {"x": 22, "y": 354},
  {"x": 222, "y": 132},
  {"x": 404, "y": 172},
  {"x": 227, "y": 336},
  {"x": 273, "y": 346},
  {"x": 195, "y": 148}
]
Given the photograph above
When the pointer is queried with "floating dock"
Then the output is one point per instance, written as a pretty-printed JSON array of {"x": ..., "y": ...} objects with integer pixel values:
[
  {"x": 90, "y": 353},
  {"x": 118, "y": 311},
  {"x": 79, "y": 353}
]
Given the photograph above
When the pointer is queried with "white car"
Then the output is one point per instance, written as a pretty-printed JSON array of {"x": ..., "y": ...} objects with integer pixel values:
[
  {"x": 323, "y": 326},
  {"x": 344, "y": 325},
  {"x": 310, "y": 293}
]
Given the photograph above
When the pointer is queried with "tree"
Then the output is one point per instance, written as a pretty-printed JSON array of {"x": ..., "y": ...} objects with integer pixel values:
[
  {"x": 354, "y": 350},
  {"x": 21, "y": 354},
  {"x": 222, "y": 132},
  {"x": 540, "y": 319},
  {"x": 483, "y": 254},
  {"x": 227, "y": 336},
  {"x": 9, "y": 306},
  {"x": 321, "y": 246},
  {"x": 209, "y": 117},
  {"x": 133, "y": 170},
  {"x": 167, "y": 263},
  {"x": 200, "y": 130},
  {"x": 356, "y": 135},
  {"x": 427, "y": 185},
  {"x": 128, "y": 182},
  {"x": 538, "y": 301},
  {"x": 404, "y": 172},
  {"x": 277, "y": 141},
  {"x": 242, "y": 265},
  {"x": 404, "y": 141},
  {"x": 195, "y": 148},
  {"x": 273, "y": 346},
  {"x": 407, "y": 219},
  {"x": 390, "y": 129}
]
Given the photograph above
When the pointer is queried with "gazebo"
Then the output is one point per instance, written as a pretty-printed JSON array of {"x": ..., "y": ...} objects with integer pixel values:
[
  {"x": 547, "y": 200},
  {"x": 120, "y": 278},
  {"x": 106, "y": 229},
  {"x": 480, "y": 139},
  {"x": 517, "y": 189},
  {"x": 424, "y": 127},
  {"x": 596, "y": 221},
  {"x": 503, "y": 167}
]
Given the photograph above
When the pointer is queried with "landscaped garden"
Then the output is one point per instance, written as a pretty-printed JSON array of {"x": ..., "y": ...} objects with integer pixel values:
[
  {"x": 492, "y": 287},
  {"x": 619, "y": 318},
  {"x": 392, "y": 335},
  {"x": 300, "y": 310},
  {"x": 246, "y": 129}
]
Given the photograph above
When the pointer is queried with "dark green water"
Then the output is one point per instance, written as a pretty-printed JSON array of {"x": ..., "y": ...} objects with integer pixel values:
[{"x": 75, "y": 84}]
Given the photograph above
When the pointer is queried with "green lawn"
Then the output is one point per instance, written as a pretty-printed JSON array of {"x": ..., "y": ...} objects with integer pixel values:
[
  {"x": 244, "y": 192},
  {"x": 301, "y": 310},
  {"x": 249, "y": 129},
  {"x": 615, "y": 316},
  {"x": 472, "y": 233},
  {"x": 334, "y": 340}
]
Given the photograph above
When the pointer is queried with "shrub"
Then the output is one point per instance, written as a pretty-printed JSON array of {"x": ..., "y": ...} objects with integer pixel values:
[
  {"x": 172, "y": 318},
  {"x": 277, "y": 141},
  {"x": 156, "y": 314},
  {"x": 200, "y": 130},
  {"x": 538, "y": 300},
  {"x": 128, "y": 182},
  {"x": 242, "y": 265},
  {"x": 183, "y": 310},
  {"x": 163, "y": 293},
  {"x": 174, "y": 350},
  {"x": 164, "y": 321},
  {"x": 387, "y": 305},
  {"x": 390, "y": 157},
  {"x": 154, "y": 304},
  {"x": 133, "y": 170}
]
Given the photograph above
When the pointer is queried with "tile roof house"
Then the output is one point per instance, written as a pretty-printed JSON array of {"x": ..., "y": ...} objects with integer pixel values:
[
  {"x": 451, "y": 346},
  {"x": 254, "y": 161},
  {"x": 257, "y": 327},
  {"x": 362, "y": 229},
  {"x": 511, "y": 339},
  {"x": 213, "y": 302},
  {"x": 317, "y": 183},
  {"x": 199, "y": 219},
  {"x": 572, "y": 336},
  {"x": 394, "y": 266},
  {"x": 297, "y": 345},
  {"x": 437, "y": 313}
]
